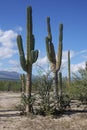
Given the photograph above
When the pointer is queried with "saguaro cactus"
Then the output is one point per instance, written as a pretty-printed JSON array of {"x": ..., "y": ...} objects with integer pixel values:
[
  {"x": 31, "y": 56},
  {"x": 69, "y": 78},
  {"x": 55, "y": 62}
]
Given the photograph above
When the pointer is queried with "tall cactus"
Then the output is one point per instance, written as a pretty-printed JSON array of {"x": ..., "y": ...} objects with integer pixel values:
[
  {"x": 31, "y": 55},
  {"x": 54, "y": 62},
  {"x": 69, "y": 77}
]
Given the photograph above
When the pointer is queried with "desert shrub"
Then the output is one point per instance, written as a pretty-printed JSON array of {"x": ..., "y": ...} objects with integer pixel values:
[
  {"x": 44, "y": 93},
  {"x": 26, "y": 100},
  {"x": 64, "y": 102},
  {"x": 14, "y": 86},
  {"x": 78, "y": 86}
]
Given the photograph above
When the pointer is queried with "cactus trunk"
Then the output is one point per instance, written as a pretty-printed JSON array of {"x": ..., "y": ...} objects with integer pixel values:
[
  {"x": 55, "y": 84},
  {"x": 60, "y": 84},
  {"x": 60, "y": 91},
  {"x": 69, "y": 79},
  {"x": 28, "y": 91}
]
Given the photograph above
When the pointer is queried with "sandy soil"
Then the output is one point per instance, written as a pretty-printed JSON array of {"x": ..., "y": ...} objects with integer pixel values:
[{"x": 10, "y": 118}]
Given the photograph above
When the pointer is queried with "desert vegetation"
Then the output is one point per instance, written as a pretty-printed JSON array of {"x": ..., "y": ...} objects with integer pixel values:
[
  {"x": 12, "y": 105},
  {"x": 48, "y": 97}
]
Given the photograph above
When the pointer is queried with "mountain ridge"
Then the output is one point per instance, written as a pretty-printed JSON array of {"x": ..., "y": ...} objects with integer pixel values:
[{"x": 9, "y": 75}]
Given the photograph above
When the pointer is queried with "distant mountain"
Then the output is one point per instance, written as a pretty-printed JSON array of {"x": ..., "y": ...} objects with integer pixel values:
[{"x": 6, "y": 75}]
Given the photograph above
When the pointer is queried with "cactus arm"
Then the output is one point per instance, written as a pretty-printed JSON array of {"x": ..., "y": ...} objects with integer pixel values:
[
  {"x": 59, "y": 56},
  {"x": 21, "y": 52},
  {"x": 50, "y": 51},
  {"x": 20, "y": 45},
  {"x": 47, "y": 45},
  {"x": 49, "y": 29},
  {"x": 61, "y": 32},
  {"x": 33, "y": 56}
]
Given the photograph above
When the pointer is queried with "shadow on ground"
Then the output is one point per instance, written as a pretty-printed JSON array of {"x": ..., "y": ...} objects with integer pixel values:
[
  {"x": 68, "y": 113},
  {"x": 9, "y": 113}
]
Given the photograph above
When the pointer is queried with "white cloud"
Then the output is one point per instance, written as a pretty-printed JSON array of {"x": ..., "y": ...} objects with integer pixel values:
[
  {"x": 15, "y": 65},
  {"x": 13, "y": 62},
  {"x": 81, "y": 52},
  {"x": 1, "y": 64},
  {"x": 7, "y": 43},
  {"x": 41, "y": 65},
  {"x": 80, "y": 56},
  {"x": 7, "y": 38},
  {"x": 65, "y": 55},
  {"x": 6, "y": 52},
  {"x": 84, "y": 56},
  {"x": 76, "y": 67},
  {"x": 42, "y": 61},
  {"x": 65, "y": 58}
]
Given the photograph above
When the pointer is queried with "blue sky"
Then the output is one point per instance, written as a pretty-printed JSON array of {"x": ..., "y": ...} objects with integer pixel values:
[{"x": 73, "y": 15}]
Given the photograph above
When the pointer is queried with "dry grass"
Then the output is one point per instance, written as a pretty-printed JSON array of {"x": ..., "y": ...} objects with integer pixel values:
[{"x": 10, "y": 119}]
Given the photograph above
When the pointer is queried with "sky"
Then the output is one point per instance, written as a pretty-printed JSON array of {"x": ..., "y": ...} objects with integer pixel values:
[{"x": 73, "y": 15}]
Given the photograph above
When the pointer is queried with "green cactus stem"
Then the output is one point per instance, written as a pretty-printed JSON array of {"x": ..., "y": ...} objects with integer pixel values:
[
  {"x": 69, "y": 77},
  {"x": 31, "y": 55},
  {"x": 55, "y": 62}
]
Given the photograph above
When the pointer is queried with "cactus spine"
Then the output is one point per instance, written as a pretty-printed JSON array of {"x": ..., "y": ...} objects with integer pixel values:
[
  {"x": 69, "y": 78},
  {"x": 54, "y": 62},
  {"x": 31, "y": 56}
]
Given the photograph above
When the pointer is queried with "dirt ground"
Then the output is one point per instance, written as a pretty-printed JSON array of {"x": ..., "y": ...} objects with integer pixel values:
[{"x": 10, "y": 118}]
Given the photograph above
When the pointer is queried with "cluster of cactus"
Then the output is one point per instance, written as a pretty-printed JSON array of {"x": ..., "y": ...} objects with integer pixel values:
[
  {"x": 69, "y": 77},
  {"x": 31, "y": 55},
  {"x": 54, "y": 62}
]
